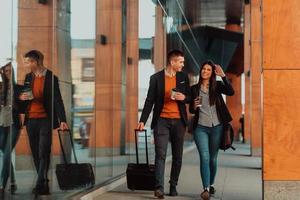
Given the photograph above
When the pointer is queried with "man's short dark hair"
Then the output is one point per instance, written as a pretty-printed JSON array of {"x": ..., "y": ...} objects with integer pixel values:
[
  {"x": 35, "y": 55},
  {"x": 172, "y": 54}
]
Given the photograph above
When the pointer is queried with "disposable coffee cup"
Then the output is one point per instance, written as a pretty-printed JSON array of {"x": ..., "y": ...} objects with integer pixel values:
[
  {"x": 28, "y": 91},
  {"x": 173, "y": 93},
  {"x": 200, "y": 100}
]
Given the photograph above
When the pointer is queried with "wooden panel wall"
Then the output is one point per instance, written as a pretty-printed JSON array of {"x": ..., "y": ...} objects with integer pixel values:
[
  {"x": 160, "y": 41},
  {"x": 281, "y": 34},
  {"x": 132, "y": 68},
  {"x": 108, "y": 74},
  {"x": 281, "y": 125},
  {"x": 255, "y": 79},
  {"x": 247, "y": 64},
  {"x": 234, "y": 102},
  {"x": 281, "y": 50}
]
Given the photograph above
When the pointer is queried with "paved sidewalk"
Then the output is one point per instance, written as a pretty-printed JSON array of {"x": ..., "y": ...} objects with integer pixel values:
[{"x": 238, "y": 178}]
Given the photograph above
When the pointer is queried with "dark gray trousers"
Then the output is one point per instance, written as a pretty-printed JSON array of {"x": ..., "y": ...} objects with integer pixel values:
[
  {"x": 168, "y": 130},
  {"x": 40, "y": 139}
]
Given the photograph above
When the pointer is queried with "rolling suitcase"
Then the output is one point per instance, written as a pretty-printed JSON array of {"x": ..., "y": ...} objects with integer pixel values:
[
  {"x": 140, "y": 176},
  {"x": 73, "y": 175}
]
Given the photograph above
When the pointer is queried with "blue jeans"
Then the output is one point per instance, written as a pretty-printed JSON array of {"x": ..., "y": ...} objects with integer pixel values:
[
  {"x": 208, "y": 141},
  {"x": 8, "y": 140}
]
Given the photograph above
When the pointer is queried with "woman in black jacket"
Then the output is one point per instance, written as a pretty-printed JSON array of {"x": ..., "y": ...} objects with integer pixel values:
[
  {"x": 210, "y": 114},
  {"x": 9, "y": 124}
]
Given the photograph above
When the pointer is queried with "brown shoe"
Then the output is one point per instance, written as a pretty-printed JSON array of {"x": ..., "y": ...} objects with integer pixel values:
[
  {"x": 205, "y": 195},
  {"x": 159, "y": 194}
]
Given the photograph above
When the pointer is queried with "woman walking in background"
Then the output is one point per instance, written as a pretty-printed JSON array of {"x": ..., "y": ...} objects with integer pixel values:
[{"x": 210, "y": 114}]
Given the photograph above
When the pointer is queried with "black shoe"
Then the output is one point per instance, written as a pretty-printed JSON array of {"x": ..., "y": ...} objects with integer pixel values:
[
  {"x": 44, "y": 190},
  {"x": 212, "y": 190},
  {"x": 13, "y": 188},
  {"x": 41, "y": 190},
  {"x": 2, "y": 193},
  {"x": 34, "y": 191},
  {"x": 159, "y": 194},
  {"x": 173, "y": 191}
]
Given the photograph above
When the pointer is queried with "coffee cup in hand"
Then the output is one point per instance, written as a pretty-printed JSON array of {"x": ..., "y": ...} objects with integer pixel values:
[
  {"x": 198, "y": 102},
  {"x": 173, "y": 93},
  {"x": 28, "y": 93}
]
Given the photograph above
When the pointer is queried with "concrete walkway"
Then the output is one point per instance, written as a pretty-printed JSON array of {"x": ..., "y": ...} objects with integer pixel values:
[{"x": 238, "y": 178}]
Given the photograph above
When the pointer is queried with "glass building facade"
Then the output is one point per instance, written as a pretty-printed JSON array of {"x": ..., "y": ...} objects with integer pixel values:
[{"x": 104, "y": 52}]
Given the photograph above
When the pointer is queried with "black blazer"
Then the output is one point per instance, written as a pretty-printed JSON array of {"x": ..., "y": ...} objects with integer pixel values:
[
  {"x": 51, "y": 90},
  {"x": 16, "y": 104},
  {"x": 156, "y": 94},
  {"x": 223, "y": 87}
]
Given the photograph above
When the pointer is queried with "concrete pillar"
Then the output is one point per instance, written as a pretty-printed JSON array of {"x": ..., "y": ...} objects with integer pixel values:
[
  {"x": 281, "y": 109},
  {"x": 45, "y": 27}
]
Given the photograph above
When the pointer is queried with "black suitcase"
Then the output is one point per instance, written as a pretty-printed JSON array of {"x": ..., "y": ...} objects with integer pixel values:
[
  {"x": 140, "y": 176},
  {"x": 73, "y": 175}
]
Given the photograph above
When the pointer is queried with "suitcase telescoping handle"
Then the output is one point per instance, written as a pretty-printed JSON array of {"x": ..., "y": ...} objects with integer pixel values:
[
  {"x": 61, "y": 145},
  {"x": 136, "y": 145}
]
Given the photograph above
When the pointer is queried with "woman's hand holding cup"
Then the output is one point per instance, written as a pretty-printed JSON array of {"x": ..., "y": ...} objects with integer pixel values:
[{"x": 197, "y": 102}]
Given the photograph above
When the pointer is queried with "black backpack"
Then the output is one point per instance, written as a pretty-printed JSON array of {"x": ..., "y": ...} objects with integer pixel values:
[{"x": 227, "y": 137}]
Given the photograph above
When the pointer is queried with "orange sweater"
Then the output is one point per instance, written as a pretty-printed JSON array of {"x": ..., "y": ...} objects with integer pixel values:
[
  {"x": 36, "y": 109},
  {"x": 170, "y": 109}
]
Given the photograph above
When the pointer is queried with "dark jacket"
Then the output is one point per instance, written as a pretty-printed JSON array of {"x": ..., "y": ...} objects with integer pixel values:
[
  {"x": 16, "y": 105},
  {"x": 223, "y": 87},
  {"x": 52, "y": 96},
  {"x": 156, "y": 94}
]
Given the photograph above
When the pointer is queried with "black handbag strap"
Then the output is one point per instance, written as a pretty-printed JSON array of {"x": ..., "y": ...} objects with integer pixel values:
[
  {"x": 61, "y": 145},
  {"x": 136, "y": 145}
]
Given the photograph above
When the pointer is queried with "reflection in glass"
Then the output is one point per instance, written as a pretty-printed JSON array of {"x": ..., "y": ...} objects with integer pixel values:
[{"x": 10, "y": 125}]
